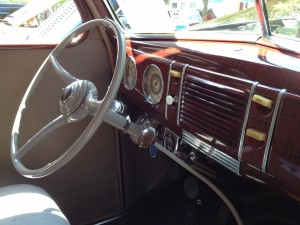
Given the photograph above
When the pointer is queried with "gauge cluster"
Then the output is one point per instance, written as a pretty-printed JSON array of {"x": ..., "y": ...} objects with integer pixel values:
[
  {"x": 130, "y": 74},
  {"x": 153, "y": 84},
  {"x": 145, "y": 81}
]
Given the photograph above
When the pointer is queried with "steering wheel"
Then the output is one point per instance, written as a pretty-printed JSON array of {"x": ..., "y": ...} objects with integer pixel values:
[{"x": 78, "y": 100}]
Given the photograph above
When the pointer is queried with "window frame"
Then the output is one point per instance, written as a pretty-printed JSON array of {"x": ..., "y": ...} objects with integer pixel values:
[{"x": 270, "y": 40}]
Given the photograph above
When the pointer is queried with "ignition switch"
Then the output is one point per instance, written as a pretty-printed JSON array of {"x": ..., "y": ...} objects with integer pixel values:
[{"x": 170, "y": 141}]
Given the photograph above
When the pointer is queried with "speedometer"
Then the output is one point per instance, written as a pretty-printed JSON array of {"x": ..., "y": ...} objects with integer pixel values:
[
  {"x": 153, "y": 85},
  {"x": 130, "y": 74}
]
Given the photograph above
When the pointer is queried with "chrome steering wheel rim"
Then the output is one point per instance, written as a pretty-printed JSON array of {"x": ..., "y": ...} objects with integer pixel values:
[{"x": 93, "y": 106}]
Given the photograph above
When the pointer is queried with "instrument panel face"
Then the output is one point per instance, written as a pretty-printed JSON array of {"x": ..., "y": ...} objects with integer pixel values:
[
  {"x": 214, "y": 107},
  {"x": 130, "y": 74},
  {"x": 153, "y": 84}
]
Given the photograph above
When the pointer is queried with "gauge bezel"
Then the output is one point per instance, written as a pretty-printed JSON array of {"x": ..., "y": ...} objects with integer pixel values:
[
  {"x": 148, "y": 96},
  {"x": 125, "y": 82}
]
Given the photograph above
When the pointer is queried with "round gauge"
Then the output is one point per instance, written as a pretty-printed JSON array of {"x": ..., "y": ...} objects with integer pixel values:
[
  {"x": 130, "y": 74},
  {"x": 153, "y": 85}
]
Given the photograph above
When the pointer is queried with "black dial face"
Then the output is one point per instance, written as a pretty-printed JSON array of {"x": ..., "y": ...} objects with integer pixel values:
[
  {"x": 130, "y": 74},
  {"x": 153, "y": 84}
]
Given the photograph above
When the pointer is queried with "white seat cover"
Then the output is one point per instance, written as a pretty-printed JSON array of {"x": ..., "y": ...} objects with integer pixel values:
[{"x": 28, "y": 205}]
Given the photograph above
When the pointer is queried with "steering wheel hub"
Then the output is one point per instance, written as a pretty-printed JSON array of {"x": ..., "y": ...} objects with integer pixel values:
[
  {"x": 75, "y": 98},
  {"x": 66, "y": 93}
]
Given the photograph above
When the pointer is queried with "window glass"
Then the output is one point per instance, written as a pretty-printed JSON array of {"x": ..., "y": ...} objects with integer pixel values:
[
  {"x": 37, "y": 21},
  {"x": 284, "y": 17},
  {"x": 169, "y": 16}
]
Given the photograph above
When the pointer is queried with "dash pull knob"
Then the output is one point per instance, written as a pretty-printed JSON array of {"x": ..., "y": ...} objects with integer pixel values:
[
  {"x": 255, "y": 134},
  {"x": 170, "y": 99},
  {"x": 266, "y": 102}
]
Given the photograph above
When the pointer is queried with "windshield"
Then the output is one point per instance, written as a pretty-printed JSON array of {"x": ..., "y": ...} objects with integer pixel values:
[
  {"x": 169, "y": 16},
  {"x": 172, "y": 16}
]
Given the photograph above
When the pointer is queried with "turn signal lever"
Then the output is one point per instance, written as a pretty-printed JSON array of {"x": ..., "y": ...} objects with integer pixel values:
[{"x": 142, "y": 132}]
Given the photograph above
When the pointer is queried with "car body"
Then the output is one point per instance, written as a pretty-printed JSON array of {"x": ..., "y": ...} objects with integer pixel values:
[
  {"x": 202, "y": 123},
  {"x": 7, "y": 8},
  {"x": 187, "y": 19},
  {"x": 36, "y": 22}
]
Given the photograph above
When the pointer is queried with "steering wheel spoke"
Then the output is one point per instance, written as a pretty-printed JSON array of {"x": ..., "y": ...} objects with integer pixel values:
[
  {"x": 62, "y": 73},
  {"x": 44, "y": 132}
]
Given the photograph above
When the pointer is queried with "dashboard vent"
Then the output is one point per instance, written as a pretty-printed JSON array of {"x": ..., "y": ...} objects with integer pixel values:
[{"x": 213, "y": 112}]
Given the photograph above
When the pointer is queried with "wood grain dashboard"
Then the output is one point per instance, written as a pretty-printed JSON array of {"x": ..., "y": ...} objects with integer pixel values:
[{"x": 237, "y": 103}]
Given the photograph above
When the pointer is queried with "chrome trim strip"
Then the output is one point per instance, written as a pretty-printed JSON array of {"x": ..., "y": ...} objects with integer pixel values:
[
  {"x": 251, "y": 93},
  {"x": 271, "y": 130},
  {"x": 168, "y": 88},
  {"x": 109, "y": 220},
  {"x": 213, "y": 153},
  {"x": 180, "y": 91}
]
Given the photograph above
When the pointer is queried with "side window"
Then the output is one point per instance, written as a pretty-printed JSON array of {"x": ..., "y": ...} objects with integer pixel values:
[
  {"x": 284, "y": 17},
  {"x": 37, "y": 21}
]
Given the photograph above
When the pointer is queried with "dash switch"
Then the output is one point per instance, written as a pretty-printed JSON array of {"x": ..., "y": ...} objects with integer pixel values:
[
  {"x": 255, "y": 134},
  {"x": 175, "y": 73},
  {"x": 266, "y": 102}
]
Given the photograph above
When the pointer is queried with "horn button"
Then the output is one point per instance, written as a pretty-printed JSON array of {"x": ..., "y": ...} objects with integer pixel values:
[
  {"x": 66, "y": 93},
  {"x": 74, "y": 99}
]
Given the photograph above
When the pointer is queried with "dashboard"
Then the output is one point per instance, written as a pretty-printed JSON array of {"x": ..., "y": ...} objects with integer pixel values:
[{"x": 237, "y": 104}]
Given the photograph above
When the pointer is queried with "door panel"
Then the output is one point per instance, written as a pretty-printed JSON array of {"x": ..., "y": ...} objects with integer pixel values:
[{"x": 91, "y": 178}]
